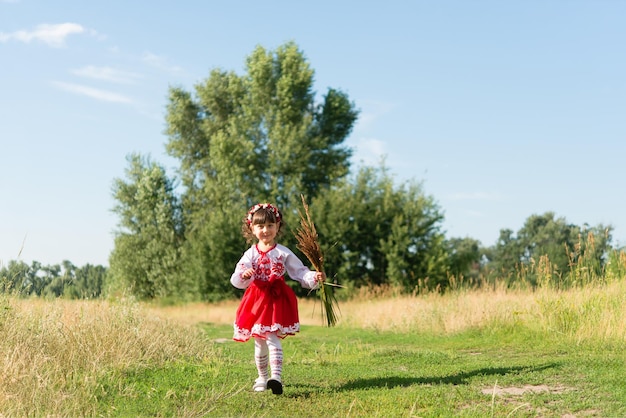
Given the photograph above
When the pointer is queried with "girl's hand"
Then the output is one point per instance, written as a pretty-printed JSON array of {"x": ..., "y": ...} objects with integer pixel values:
[
  {"x": 320, "y": 277},
  {"x": 247, "y": 274}
]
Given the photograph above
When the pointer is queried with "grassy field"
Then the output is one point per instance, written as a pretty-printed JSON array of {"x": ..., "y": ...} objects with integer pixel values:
[{"x": 475, "y": 353}]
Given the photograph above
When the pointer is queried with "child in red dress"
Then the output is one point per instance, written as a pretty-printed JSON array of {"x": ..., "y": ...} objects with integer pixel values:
[{"x": 268, "y": 310}]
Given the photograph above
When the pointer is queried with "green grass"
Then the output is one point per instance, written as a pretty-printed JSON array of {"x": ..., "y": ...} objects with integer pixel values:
[
  {"x": 479, "y": 353},
  {"x": 347, "y": 372}
]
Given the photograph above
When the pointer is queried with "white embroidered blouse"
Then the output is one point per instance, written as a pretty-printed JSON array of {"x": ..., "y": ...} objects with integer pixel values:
[{"x": 277, "y": 261}]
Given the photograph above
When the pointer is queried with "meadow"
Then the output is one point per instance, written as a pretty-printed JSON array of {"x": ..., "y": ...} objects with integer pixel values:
[{"x": 471, "y": 353}]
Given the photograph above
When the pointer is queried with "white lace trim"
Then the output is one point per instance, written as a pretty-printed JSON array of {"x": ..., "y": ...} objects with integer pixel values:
[{"x": 242, "y": 334}]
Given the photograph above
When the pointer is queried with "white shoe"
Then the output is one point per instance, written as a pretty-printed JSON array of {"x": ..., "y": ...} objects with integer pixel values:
[{"x": 259, "y": 385}]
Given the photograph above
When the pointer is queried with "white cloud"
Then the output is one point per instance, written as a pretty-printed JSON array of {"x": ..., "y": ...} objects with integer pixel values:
[
  {"x": 160, "y": 62},
  {"x": 52, "y": 35},
  {"x": 107, "y": 74},
  {"x": 373, "y": 146},
  {"x": 370, "y": 151},
  {"x": 370, "y": 112},
  {"x": 98, "y": 94}
]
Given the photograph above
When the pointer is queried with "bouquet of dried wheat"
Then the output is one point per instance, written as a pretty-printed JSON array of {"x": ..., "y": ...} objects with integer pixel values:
[{"x": 310, "y": 247}]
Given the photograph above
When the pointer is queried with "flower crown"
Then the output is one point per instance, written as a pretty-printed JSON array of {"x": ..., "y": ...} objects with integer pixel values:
[{"x": 258, "y": 206}]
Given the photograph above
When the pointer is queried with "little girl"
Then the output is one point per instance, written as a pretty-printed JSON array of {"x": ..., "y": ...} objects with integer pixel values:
[{"x": 268, "y": 310}]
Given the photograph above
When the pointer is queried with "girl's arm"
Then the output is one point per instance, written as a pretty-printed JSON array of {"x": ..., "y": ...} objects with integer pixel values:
[
  {"x": 242, "y": 277},
  {"x": 299, "y": 272}
]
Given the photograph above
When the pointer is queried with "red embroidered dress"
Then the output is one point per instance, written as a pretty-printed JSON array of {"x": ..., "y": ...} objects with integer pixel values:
[{"x": 269, "y": 304}]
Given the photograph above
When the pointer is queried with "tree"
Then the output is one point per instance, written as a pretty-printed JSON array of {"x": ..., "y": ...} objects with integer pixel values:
[
  {"x": 504, "y": 257},
  {"x": 464, "y": 257},
  {"x": 262, "y": 133},
  {"x": 378, "y": 233},
  {"x": 64, "y": 280},
  {"x": 147, "y": 253},
  {"x": 554, "y": 240},
  {"x": 19, "y": 278},
  {"x": 244, "y": 139},
  {"x": 85, "y": 282}
]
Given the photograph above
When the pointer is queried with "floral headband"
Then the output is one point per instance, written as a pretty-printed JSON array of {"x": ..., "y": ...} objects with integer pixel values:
[{"x": 258, "y": 206}]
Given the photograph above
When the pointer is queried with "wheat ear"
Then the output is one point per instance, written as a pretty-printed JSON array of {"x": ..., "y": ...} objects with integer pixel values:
[{"x": 308, "y": 243}]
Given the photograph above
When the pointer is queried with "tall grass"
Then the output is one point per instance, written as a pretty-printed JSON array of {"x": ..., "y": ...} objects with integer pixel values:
[
  {"x": 586, "y": 305},
  {"x": 54, "y": 353},
  {"x": 595, "y": 312}
]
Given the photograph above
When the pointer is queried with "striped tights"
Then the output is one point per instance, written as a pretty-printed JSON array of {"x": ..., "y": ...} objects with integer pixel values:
[{"x": 269, "y": 351}]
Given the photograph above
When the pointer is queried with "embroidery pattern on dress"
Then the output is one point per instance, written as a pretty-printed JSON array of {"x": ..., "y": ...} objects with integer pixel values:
[
  {"x": 242, "y": 334},
  {"x": 268, "y": 266}
]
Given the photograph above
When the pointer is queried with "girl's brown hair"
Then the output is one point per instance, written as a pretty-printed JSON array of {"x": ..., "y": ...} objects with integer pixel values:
[{"x": 261, "y": 216}]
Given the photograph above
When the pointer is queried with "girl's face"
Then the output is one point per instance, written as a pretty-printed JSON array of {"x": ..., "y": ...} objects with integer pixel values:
[{"x": 265, "y": 232}]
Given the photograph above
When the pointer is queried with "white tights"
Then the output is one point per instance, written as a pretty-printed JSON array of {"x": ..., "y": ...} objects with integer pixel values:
[{"x": 269, "y": 351}]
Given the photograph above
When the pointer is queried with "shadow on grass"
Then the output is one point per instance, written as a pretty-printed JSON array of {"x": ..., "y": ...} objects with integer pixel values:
[{"x": 453, "y": 379}]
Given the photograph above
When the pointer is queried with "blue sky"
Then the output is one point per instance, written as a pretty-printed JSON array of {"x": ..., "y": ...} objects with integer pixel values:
[{"x": 502, "y": 109}]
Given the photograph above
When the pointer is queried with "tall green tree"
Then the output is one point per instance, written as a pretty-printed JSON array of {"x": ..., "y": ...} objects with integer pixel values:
[
  {"x": 377, "y": 232},
  {"x": 147, "y": 255},
  {"x": 261, "y": 133},
  {"x": 242, "y": 139}
]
